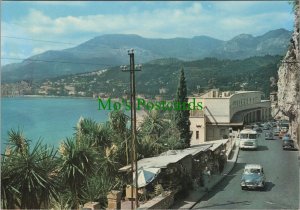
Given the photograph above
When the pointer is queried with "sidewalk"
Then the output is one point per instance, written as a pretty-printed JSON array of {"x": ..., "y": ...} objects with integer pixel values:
[{"x": 197, "y": 194}]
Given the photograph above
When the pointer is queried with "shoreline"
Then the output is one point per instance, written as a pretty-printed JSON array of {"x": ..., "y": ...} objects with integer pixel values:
[
  {"x": 139, "y": 113},
  {"x": 43, "y": 96}
]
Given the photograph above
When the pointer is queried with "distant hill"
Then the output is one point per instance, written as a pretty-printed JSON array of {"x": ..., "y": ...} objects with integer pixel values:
[
  {"x": 111, "y": 50},
  {"x": 160, "y": 77}
]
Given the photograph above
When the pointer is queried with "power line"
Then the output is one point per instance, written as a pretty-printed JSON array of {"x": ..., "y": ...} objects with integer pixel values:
[
  {"x": 53, "y": 61},
  {"x": 38, "y": 40}
]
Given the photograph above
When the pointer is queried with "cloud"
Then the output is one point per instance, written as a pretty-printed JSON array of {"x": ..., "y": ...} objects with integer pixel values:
[{"x": 222, "y": 20}]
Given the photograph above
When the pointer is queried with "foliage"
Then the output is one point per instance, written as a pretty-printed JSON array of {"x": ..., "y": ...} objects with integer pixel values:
[
  {"x": 79, "y": 162},
  {"x": 96, "y": 135},
  {"x": 17, "y": 141},
  {"x": 200, "y": 74},
  {"x": 97, "y": 188},
  {"x": 28, "y": 179},
  {"x": 182, "y": 115}
]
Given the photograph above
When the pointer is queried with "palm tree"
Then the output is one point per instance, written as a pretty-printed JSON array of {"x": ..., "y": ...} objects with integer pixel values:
[
  {"x": 96, "y": 189},
  {"x": 9, "y": 193},
  {"x": 17, "y": 141},
  {"x": 79, "y": 161},
  {"x": 153, "y": 124},
  {"x": 95, "y": 134},
  {"x": 28, "y": 177}
]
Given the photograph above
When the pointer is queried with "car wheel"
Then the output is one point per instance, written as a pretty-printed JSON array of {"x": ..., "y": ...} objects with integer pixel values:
[
  {"x": 263, "y": 187},
  {"x": 243, "y": 188}
]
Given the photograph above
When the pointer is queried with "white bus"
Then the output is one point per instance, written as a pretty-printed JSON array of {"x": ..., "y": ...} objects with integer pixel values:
[{"x": 248, "y": 139}]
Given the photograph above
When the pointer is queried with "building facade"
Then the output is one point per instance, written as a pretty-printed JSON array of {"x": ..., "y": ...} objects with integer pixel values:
[{"x": 223, "y": 111}]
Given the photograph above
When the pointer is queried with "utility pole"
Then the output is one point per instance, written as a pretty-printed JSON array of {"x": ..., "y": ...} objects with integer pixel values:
[{"x": 134, "y": 166}]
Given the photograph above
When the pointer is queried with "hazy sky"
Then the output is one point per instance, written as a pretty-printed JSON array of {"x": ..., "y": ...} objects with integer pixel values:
[{"x": 76, "y": 22}]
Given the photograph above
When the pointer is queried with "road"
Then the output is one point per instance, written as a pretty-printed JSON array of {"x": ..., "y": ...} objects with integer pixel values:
[{"x": 282, "y": 175}]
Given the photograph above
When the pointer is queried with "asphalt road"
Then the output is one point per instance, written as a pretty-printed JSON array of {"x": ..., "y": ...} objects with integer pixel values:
[{"x": 282, "y": 175}]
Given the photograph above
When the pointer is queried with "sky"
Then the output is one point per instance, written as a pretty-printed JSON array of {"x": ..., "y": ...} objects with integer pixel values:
[{"x": 59, "y": 25}]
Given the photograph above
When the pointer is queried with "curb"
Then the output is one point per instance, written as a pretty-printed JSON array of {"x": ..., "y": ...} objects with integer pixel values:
[{"x": 218, "y": 181}]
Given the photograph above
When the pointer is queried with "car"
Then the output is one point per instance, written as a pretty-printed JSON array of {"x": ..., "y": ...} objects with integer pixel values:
[
  {"x": 276, "y": 132},
  {"x": 253, "y": 177},
  {"x": 258, "y": 129},
  {"x": 288, "y": 143},
  {"x": 269, "y": 136},
  {"x": 266, "y": 127}
]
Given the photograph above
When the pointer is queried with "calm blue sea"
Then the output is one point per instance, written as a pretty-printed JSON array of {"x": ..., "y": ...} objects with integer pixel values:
[{"x": 52, "y": 119}]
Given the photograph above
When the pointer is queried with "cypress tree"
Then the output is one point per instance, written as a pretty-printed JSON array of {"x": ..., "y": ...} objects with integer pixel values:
[{"x": 182, "y": 114}]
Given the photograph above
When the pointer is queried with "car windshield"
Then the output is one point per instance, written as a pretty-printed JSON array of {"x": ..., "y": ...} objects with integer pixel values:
[
  {"x": 247, "y": 136},
  {"x": 252, "y": 171}
]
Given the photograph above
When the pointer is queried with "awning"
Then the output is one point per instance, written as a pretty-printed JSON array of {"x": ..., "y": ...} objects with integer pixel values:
[{"x": 146, "y": 176}]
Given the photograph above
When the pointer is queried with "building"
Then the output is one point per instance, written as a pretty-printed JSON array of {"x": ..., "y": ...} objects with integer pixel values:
[{"x": 223, "y": 111}]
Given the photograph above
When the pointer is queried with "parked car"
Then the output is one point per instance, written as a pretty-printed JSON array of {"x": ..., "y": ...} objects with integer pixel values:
[
  {"x": 266, "y": 127},
  {"x": 253, "y": 177},
  {"x": 276, "y": 132},
  {"x": 281, "y": 134},
  {"x": 258, "y": 129},
  {"x": 269, "y": 136},
  {"x": 288, "y": 143}
]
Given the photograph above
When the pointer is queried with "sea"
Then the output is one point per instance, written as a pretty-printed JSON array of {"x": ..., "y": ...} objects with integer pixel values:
[{"x": 51, "y": 119}]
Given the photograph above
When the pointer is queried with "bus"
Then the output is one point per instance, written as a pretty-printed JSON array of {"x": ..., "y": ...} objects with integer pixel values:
[{"x": 248, "y": 139}]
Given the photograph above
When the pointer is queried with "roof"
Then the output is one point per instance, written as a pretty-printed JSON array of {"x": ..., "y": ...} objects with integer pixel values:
[
  {"x": 253, "y": 166},
  {"x": 248, "y": 131},
  {"x": 166, "y": 158},
  {"x": 214, "y": 144},
  {"x": 194, "y": 150},
  {"x": 157, "y": 162}
]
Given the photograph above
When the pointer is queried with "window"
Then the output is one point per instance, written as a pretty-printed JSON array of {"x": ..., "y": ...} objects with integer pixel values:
[{"x": 197, "y": 134}]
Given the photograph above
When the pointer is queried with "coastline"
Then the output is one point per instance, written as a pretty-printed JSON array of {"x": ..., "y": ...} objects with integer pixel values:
[
  {"x": 140, "y": 114},
  {"x": 43, "y": 96}
]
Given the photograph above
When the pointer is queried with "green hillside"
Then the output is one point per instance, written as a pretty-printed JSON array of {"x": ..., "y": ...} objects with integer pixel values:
[{"x": 249, "y": 74}]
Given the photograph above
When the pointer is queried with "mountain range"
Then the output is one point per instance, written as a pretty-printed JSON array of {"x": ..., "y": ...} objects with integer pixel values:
[{"x": 111, "y": 50}]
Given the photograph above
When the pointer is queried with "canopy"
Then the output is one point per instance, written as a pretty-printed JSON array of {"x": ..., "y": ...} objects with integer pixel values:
[{"x": 146, "y": 175}]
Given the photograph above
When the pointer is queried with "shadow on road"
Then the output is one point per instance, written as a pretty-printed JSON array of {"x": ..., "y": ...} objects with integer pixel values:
[
  {"x": 269, "y": 186},
  {"x": 262, "y": 148},
  {"x": 220, "y": 187},
  {"x": 228, "y": 203}
]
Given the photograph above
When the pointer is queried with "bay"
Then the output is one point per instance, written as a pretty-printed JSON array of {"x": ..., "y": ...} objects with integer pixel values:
[{"x": 51, "y": 119}]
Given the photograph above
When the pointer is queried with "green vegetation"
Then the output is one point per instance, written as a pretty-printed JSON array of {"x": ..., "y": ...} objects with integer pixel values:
[
  {"x": 182, "y": 115},
  {"x": 85, "y": 167},
  {"x": 160, "y": 78}
]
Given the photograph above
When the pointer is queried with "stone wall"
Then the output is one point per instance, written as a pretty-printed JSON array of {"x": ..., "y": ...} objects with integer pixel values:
[
  {"x": 163, "y": 201},
  {"x": 289, "y": 81}
]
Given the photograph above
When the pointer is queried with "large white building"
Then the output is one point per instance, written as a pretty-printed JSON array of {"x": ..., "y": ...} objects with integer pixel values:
[{"x": 223, "y": 111}]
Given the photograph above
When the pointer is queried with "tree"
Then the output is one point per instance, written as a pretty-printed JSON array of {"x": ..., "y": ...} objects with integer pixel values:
[
  {"x": 153, "y": 124},
  {"x": 182, "y": 115},
  {"x": 28, "y": 178},
  {"x": 96, "y": 135},
  {"x": 79, "y": 161},
  {"x": 17, "y": 142}
]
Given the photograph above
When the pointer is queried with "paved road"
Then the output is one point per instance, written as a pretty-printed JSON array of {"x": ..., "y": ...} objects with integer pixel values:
[{"x": 282, "y": 173}]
